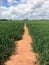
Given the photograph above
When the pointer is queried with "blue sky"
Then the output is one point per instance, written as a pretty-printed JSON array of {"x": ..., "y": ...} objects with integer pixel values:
[
  {"x": 24, "y": 9},
  {"x": 5, "y": 2},
  {"x": 8, "y": 4}
]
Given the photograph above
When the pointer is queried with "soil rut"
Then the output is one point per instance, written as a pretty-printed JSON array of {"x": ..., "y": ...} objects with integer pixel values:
[{"x": 25, "y": 54}]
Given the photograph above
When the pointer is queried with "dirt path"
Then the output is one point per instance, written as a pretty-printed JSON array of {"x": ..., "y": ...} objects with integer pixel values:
[{"x": 25, "y": 55}]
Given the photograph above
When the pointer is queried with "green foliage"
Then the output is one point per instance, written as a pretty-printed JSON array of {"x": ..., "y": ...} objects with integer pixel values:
[
  {"x": 10, "y": 31},
  {"x": 39, "y": 31}
]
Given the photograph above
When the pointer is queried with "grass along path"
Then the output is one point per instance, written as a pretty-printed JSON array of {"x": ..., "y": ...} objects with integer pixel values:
[{"x": 24, "y": 54}]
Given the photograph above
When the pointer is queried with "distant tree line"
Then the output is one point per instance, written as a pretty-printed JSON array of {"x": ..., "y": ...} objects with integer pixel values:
[
  {"x": 5, "y": 20},
  {"x": 22, "y": 19},
  {"x": 11, "y": 19}
]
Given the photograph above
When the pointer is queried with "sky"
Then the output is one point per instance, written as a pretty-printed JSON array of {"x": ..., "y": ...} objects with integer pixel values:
[{"x": 24, "y": 9}]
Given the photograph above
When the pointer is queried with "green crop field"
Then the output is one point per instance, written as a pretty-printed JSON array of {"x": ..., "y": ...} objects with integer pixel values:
[
  {"x": 10, "y": 31},
  {"x": 39, "y": 30}
]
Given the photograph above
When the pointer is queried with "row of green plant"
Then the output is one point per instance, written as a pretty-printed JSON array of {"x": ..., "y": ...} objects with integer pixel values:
[
  {"x": 10, "y": 31},
  {"x": 39, "y": 30}
]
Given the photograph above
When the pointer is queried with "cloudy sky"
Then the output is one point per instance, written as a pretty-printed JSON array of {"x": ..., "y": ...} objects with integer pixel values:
[{"x": 24, "y": 9}]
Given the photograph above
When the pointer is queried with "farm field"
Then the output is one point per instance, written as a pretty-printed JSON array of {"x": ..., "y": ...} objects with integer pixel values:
[
  {"x": 39, "y": 30},
  {"x": 10, "y": 31}
]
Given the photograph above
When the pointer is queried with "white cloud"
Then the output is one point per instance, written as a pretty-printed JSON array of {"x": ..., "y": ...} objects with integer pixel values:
[
  {"x": 31, "y": 9},
  {"x": 9, "y": 1},
  {"x": 23, "y": 1},
  {"x": 12, "y": 2}
]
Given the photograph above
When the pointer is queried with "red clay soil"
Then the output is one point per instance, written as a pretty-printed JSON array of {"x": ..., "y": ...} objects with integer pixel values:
[{"x": 25, "y": 54}]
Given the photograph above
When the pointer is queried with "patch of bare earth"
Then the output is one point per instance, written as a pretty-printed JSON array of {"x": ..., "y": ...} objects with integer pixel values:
[{"x": 25, "y": 54}]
